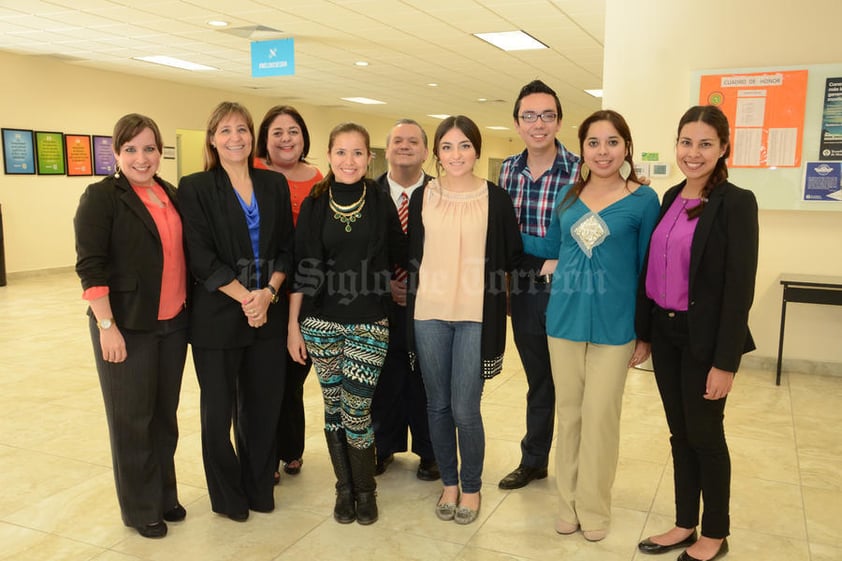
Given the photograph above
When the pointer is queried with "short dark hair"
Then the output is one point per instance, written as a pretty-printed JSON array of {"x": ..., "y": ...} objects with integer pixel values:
[
  {"x": 536, "y": 87},
  {"x": 407, "y": 122},
  {"x": 263, "y": 133},
  {"x": 131, "y": 125}
]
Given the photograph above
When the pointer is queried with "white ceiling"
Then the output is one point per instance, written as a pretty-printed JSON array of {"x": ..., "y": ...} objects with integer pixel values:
[{"x": 407, "y": 43}]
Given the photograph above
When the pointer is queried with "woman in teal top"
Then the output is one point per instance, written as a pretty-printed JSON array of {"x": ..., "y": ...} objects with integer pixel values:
[{"x": 600, "y": 232}]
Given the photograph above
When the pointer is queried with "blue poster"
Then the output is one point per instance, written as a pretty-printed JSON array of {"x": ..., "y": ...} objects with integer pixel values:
[
  {"x": 831, "y": 141},
  {"x": 272, "y": 58},
  {"x": 18, "y": 152},
  {"x": 823, "y": 181}
]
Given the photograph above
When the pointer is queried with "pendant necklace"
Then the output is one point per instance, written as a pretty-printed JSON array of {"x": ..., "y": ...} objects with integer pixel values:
[{"x": 347, "y": 214}]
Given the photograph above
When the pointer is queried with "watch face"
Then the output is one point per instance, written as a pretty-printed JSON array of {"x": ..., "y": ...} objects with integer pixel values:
[{"x": 105, "y": 324}]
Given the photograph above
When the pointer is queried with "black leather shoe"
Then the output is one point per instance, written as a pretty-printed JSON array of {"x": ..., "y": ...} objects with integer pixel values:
[
  {"x": 175, "y": 514},
  {"x": 239, "y": 516},
  {"x": 522, "y": 476},
  {"x": 648, "y": 546},
  {"x": 156, "y": 530},
  {"x": 428, "y": 470},
  {"x": 383, "y": 463},
  {"x": 723, "y": 550}
]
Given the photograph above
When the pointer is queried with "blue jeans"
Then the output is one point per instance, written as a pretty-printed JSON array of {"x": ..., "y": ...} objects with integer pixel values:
[{"x": 454, "y": 387}]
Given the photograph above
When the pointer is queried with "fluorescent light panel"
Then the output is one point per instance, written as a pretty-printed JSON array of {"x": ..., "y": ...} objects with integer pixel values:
[
  {"x": 497, "y": 128},
  {"x": 512, "y": 40},
  {"x": 364, "y": 100},
  {"x": 438, "y": 116},
  {"x": 595, "y": 93},
  {"x": 175, "y": 62}
]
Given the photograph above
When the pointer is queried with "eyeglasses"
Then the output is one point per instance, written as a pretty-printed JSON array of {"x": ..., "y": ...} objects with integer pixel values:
[{"x": 546, "y": 116}]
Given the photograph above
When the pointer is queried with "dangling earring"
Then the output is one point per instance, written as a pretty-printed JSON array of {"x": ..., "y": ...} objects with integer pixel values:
[
  {"x": 625, "y": 170},
  {"x": 584, "y": 171},
  {"x": 116, "y": 171}
]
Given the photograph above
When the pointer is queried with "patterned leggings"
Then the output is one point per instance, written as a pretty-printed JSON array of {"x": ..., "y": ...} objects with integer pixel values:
[{"x": 347, "y": 358}]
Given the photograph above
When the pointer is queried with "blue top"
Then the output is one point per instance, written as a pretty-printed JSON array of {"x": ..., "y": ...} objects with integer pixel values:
[
  {"x": 600, "y": 256},
  {"x": 252, "y": 213}
]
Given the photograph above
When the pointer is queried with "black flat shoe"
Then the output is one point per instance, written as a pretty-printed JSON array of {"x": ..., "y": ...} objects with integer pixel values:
[
  {"x": 521, "y": 477},
  {"x": 239, "y": 516},
  {"x": 293, "y": 467},
  {"x": 428, "y": 470},
  {"x": 648, "y": 546},
  {"x": 383, "y": 463},
  {"x": 154, "y": 531},
  {"x": 175, "y": 514},
  {"x": 723, "y": 550}
]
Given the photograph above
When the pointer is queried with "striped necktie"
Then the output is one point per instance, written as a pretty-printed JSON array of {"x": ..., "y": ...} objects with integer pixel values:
[{"x": 403, "y": 215}]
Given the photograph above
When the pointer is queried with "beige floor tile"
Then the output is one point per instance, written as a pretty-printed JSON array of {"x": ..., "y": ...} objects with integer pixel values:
[{"x": 55, "y": 468}]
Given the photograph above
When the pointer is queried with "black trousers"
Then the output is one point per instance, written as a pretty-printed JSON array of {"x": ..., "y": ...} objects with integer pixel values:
[
  {"x": 400, "y": 400},
  {"x": 141, "y": 399},
  {"x": 529, "y": 327},
  {"x": 700, "y": 456},
  {"x": 289, "y": 438},
  {"x": 243, "y": 385}
]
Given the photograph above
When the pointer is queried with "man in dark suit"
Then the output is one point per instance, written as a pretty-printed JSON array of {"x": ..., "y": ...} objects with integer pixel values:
[{"x": 400, "y": 401}]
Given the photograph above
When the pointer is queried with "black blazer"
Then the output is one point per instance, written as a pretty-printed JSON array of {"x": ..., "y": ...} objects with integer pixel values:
[
  {"x": 118, "y": 246},
  {"x": 723, "y": 266},
  {"x": 220, "y": 251}
]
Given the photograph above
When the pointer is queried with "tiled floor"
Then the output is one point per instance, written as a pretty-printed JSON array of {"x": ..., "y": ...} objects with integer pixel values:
[{"x": 57, "y": 498}]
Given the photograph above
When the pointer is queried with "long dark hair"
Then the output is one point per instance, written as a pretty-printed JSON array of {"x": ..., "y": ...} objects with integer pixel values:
[
  {"x": 713, "y": 116},
  {"x": 619, "y": 123},
  {"x": 263, "y": 132},
  {"x": 466, "y": 126},
  {"x": 322, "y": 186}
]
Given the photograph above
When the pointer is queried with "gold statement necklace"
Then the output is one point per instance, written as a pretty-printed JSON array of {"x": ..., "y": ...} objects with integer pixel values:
[{"x": 347, "y": 214}]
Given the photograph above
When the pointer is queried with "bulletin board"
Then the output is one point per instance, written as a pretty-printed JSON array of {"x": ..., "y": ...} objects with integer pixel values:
[{"x": 780, "y": 182}]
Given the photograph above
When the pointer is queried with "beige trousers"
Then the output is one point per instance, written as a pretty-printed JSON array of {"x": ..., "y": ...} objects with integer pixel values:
[{"x": 589, "y": 381}]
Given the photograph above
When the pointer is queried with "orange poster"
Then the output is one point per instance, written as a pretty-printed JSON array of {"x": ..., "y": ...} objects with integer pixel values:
[
  {"x": 78, "y": 152},
  {"x": 766, "y": 114}
]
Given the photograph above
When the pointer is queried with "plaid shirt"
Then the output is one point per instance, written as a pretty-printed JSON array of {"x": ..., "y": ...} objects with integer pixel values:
[{"x": 534, "y": 200}]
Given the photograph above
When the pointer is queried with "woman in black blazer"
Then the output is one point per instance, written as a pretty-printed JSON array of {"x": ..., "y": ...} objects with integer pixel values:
[
  {"x": 694, "y": 302},
  {"x": 238, "y": 227},
  {"x": 130, "y": 258}
]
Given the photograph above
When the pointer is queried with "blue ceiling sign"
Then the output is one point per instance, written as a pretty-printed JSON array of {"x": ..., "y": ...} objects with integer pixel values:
[{"x": 272, "y": 58}]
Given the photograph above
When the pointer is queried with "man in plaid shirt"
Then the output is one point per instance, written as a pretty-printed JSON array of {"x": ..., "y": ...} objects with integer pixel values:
[{"x": 533, "y": 178}]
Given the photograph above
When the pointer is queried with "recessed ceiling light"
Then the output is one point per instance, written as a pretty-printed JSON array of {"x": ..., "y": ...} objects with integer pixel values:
[
  {"x": 361, "y": 63},
  {"x": 595, "y": 93},
  {"x": 497, "y": 128},
  {"x": 512, "y": 40},
  {"x": 174, "y": 62},
  {"x": 433, "y": 85},
  {"x": 438, "y": 115},
  {"x": 217, "y": 23},
  {"x": 482, "y": 99},
  {"x": 364, "y": 100}
]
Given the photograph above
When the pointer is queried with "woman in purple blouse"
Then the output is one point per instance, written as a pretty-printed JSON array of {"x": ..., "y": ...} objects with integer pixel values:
[{"x": 693, "y": 307}]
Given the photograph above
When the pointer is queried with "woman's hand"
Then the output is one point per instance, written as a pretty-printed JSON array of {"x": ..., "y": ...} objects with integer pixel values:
[
  {"x": 549, "y": 267},
  {"x": 256, "y": 306},
  {"x": 113, "y": 345},
  {"x": 718, "y": 384},
  {"x": 642, "y": 349},
  {"x": 295, "y": 344}
]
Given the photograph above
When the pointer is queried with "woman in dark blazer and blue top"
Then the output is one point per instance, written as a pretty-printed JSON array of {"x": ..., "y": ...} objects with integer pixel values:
[
  {"x": 693, "y": 306},
  {"x": 130, "y": 258},
  {"x": 238, "y": 227}
]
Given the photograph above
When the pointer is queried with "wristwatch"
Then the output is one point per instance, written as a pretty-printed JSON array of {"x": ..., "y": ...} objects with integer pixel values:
[
  {"x": 274, "y": 293},
  {"x": 105, "y": 323}
]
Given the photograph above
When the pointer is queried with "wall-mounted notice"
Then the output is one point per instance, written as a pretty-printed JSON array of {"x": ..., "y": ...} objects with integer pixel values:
[
  {"x": 823, "y": 181},
  {"x": 831, "y": 143},
  {"x": 766, "y": 114}
]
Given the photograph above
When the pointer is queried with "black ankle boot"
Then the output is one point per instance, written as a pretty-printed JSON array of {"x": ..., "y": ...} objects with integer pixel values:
[
  {"x": 344, "y": 511},
  {"x": 362, "y": 469}
]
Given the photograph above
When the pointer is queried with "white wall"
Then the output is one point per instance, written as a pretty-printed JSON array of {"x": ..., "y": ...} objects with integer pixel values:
[
  {"x": 651, "y": 49},
  {"x": 43, "y": 94}
]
